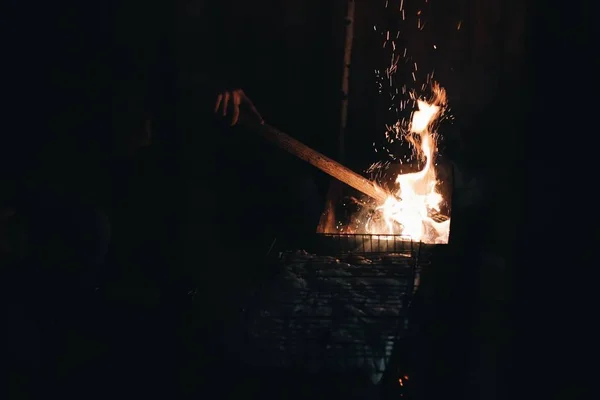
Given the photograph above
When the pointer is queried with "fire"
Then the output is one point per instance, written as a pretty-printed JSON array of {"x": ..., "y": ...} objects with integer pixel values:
[
  {"x": 415, "y": 206},
  {"x": 409, "y": 211}
]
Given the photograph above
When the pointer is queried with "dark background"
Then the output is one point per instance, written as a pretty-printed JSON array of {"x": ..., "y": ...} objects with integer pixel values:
[
  {"x": 62, "y": 62},
  {"x": 287, "y": 55}
]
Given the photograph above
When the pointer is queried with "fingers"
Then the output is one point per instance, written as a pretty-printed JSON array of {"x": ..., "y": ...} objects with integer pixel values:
[
  {"x": 222, "y": 103},
  {"x": 237, "y": 99},
  {"x": 218, "y": 102},
  {"x": 226, "y": 97}
]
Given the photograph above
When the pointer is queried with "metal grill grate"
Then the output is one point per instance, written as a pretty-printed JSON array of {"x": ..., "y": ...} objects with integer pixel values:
[
  {"x": 339, "y": 312},
  {"x": 340, "y": 244}
]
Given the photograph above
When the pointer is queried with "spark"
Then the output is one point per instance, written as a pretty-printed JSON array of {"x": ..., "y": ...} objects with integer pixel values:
[
  {"x": 459, "y": 25},
  {"x": 401, "y": 98}
]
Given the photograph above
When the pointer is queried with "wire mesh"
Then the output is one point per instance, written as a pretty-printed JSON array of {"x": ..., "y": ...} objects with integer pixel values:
[
  {"x": 343, "y": 311},
  {"x": 367, "y": 245}
]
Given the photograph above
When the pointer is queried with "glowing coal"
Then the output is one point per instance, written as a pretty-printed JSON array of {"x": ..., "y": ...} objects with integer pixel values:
[{"x": 417, "y": 199}]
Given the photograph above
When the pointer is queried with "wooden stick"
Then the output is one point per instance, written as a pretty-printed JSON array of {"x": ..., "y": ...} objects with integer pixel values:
[{"x": 322, "y": 162}]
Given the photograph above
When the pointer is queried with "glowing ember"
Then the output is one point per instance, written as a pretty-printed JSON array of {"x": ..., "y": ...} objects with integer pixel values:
[
  {"x": 409, "y": 212},
  {"x": 415, "y": 207}
]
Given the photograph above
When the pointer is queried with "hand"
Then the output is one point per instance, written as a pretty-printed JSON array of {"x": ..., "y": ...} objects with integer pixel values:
[{"x": 233, "y": 100}]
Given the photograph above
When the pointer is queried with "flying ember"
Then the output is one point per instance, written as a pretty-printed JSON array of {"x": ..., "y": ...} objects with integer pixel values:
[
  {"x": 417, "y": 205},
  {"x": 412, "y": 209}
]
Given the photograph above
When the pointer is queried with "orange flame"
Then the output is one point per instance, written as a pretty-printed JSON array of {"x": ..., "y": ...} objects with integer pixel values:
[{"x": 408, "y": 212}]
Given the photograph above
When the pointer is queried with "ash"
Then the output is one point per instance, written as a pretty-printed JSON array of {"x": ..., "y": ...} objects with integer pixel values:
[{"x": 327, "y": 314}]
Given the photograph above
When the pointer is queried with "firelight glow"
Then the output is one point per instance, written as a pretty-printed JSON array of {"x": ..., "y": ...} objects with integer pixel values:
[
  {"x": 414, "y": 207},
  {"x": 409, "y": 211}
]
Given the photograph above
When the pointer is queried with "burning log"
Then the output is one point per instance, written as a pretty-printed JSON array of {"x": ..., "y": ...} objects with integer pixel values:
[{"x": 322, "y": 162}]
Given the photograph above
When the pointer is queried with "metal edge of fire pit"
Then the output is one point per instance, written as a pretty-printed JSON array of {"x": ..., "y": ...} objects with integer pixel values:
[{"x": 366, "y": 245}]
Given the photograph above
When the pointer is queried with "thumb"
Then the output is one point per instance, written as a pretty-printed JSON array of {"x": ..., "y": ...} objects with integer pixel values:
[{"x": 252, "y": 108}]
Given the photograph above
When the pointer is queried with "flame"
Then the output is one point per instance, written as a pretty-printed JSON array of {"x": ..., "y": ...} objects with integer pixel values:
[{"x": 409, "y": 211}]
